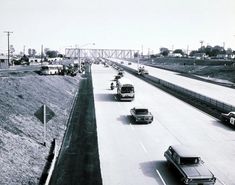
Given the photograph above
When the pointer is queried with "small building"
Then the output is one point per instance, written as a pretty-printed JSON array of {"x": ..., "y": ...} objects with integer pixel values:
[
  {"x": 222, "y": 56},
  {"x": 3, "y": 62},
  {"x": 200, "y": 56},
  {"x": 175, "y": 55}
]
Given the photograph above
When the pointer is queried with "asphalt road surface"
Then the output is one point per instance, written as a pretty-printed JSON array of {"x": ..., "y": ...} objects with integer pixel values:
[
  {"x": 132, "y": 154},
  {"x": 217, "y": 92}
]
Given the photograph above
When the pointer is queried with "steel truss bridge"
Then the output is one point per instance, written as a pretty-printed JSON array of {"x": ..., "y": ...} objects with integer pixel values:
[{"x": 99, "y": 53}]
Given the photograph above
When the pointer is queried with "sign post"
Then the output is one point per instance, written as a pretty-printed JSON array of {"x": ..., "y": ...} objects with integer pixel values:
[
  {"x": 44, "y": 114},
  {"x": 44, "y": 124}
]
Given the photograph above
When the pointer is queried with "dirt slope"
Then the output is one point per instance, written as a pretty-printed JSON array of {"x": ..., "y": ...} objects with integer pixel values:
[{"x": 22, "y": 155}]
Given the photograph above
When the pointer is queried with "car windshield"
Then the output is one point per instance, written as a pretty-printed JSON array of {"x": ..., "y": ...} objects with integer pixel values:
[
  {"x": 189, "y": 160},
  {"x": 127, "y": 89},
  {"x": 141, "y": 111}
]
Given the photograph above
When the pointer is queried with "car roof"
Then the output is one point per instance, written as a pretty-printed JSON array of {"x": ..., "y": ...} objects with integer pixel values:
[
  {"x": 184, "y": 151},
  {"x": 142, "y": 108}
]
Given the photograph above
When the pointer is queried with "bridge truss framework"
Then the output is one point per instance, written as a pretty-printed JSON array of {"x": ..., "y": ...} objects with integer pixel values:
[{"x": 99, "y": 53}]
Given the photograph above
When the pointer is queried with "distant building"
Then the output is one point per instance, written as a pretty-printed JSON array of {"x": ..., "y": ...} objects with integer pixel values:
[
  {"x": 3, "y": 62},
  {"x": 176, "y": 55},
  {"x": 222, "y": 56},
  {"x": 200, "y": 56},
  {"x": 232, "y": 56}
]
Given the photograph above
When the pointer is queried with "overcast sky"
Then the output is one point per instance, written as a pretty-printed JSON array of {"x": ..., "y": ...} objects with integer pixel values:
[{"x": 117, "y": 24}]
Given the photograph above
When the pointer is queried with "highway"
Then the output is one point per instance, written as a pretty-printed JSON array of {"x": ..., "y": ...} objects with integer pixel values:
[
  {"x": 217, "y": 92},
  {"x": 132, "y": 154}
]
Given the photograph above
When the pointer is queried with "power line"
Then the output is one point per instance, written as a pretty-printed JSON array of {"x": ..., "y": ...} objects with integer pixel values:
[{"x": 8, "y": 40}]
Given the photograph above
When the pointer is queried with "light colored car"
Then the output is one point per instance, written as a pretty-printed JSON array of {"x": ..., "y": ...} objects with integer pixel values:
[
  {"x": 190, "y": 166},
  {"x": 142, "y": 71},
  {"x": 141, "y": 115}
]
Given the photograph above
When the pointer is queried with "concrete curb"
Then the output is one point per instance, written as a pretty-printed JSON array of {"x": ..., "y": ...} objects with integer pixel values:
[{"x": 52, "y": 165}]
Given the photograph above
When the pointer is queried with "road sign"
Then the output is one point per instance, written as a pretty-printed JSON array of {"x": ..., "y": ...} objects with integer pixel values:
[
  {"x": 44, "y": 114},
  {"x": 49, "y": 114}
]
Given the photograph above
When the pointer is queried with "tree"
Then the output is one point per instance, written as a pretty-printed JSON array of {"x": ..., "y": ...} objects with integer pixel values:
[
  {"x": 12, "y": 49},
  {"x": 193, "y": 52},
  {"x": 60, "y": 55},
  {"x": 208, "y": 50},
  {"x": 164, "y": 51},
  {"x": 179, "y": 51},
  {"x": 52, "y": 53},
  {"x": 136, "y": 54},
  {"x": 229, "y": 51},
  {"x": 217, "y": 50},
  {"x": 30, "y": 52}
]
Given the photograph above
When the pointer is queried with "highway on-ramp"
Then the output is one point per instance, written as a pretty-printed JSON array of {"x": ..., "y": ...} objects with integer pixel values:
[{"x": 132, "y": 154}]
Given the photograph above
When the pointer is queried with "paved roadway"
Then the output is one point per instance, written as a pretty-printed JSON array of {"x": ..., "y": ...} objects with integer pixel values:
[
  {"x": 217, "y": 92},
  {"x": 132, "y": 154}
]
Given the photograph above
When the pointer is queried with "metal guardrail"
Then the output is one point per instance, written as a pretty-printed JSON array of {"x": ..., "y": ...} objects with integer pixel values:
[{"x": 213, "y": 103}]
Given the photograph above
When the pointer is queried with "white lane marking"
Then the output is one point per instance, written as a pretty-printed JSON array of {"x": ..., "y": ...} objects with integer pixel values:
[
  {"x": 163, "y": 182},
  {"x": 220, "y": 181},
  {"x": 145, "y": 150}
]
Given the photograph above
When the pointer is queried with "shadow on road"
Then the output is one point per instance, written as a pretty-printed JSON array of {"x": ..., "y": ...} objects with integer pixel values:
[
  {"x": 155, "y": 169},
  {"x": 222, "y": 125},
  {"x": 105, "y": 97},
  {"x": 124, "y": 119}
]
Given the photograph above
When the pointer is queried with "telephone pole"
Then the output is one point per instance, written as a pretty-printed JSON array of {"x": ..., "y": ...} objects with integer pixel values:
[
  {"x": 201, "y": 43},
  {"x": 8, "y": 40}
]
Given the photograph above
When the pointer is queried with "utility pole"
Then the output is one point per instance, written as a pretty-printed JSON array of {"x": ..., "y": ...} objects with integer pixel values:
[
  {"x": 41, "y": 54},
  {"x": 201, "y": 43},
  {"x": 24, "y": 50},
  {"x": 142, "y": 51},
  {"x": 8, "y": 40}
]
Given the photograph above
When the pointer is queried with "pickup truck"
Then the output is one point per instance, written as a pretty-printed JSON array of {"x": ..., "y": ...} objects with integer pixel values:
[
  {"x": 141, "y": 115},
  {"x": 228, "y": 118},
  {"x": 190, "y": 166}
]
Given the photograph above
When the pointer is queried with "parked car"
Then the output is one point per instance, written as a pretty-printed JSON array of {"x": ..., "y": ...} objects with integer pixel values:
[
  {"x": 190, "y": 166},
  {"x": 228, "y": 118},
  {"x": 141, "y": 115},
  {"x": 129, "y": 63}
]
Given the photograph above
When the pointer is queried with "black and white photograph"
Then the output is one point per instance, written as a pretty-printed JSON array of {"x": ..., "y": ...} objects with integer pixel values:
[{"x": 107, "y": 92}]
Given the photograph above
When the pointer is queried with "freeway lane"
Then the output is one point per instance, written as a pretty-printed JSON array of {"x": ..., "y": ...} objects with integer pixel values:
[
  {"x": 217, "y": 92},
  {"x": 131, "y": 154}
]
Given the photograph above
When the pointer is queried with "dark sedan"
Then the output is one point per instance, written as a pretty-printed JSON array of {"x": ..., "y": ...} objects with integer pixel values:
[
  {"x": 190, "y": 166},
  {"x": 228, "y": 118}
]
